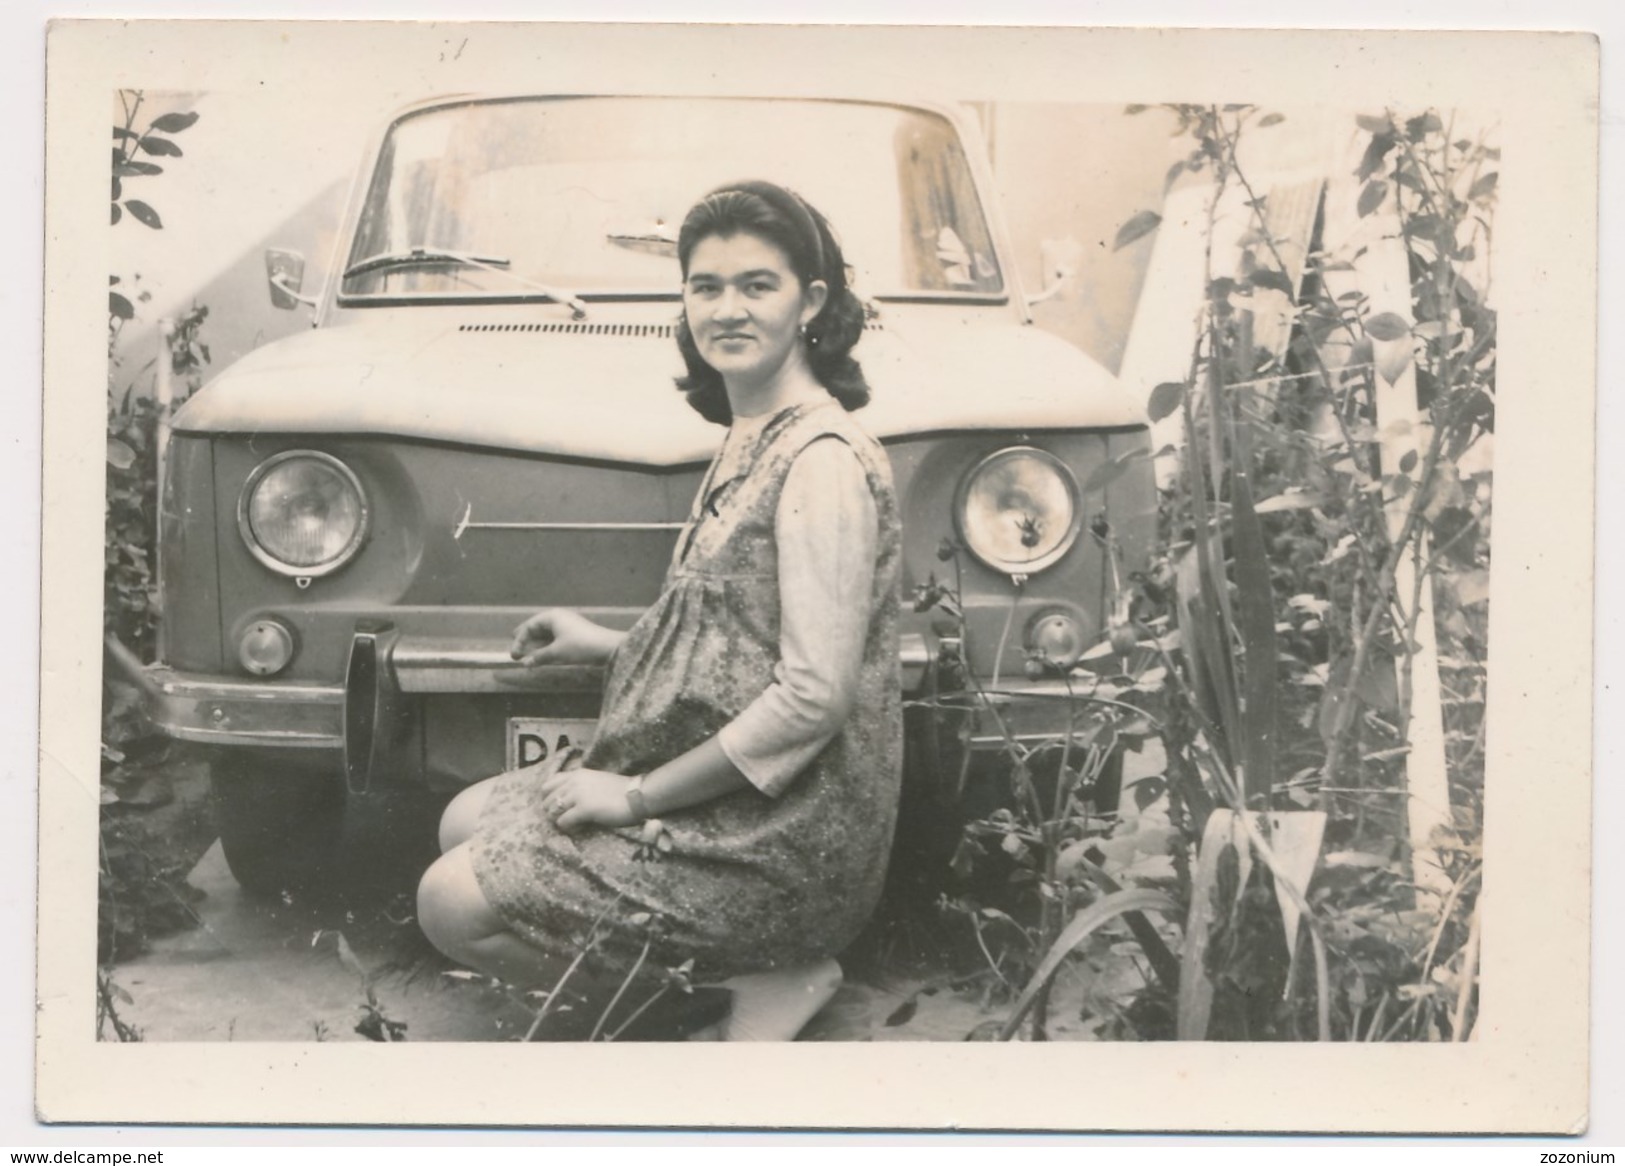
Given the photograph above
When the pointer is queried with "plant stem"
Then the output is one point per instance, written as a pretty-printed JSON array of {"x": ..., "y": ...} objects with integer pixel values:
[
  {"x": 1164, "y": 964},
  {"x": 639, "y": 1011},
  {"x": 1373, "y": 624},
  {"x": 104, "y": 999},
  {"x": 637, "y": 967},
  {"x": 993, "y": 964},
  {"x": 1376, "y": 1017},
  {"x": 1405, "y": 1016},
  {"x": 1049, "y": 917},
  {"x": 1445, "y": 912},
  {"x": 1004, "y": 635},
  {"x": 1469, "y": 976},
  {"x": 558, "y": 988}
]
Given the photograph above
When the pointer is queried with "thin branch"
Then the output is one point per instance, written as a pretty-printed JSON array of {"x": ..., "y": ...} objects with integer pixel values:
[
  {"x": 1445, "y": 912},
  {"x": 639, "y": 1011},
  {"x": 1469, "y": 976},
  {"x": 558, "y": 988},
  {"x": 621, "y": 991}
]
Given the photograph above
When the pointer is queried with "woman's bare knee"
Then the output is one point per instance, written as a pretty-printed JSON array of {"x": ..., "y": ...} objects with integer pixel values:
[
  {"x": 459, "y": 920},
  {"x": 452, "y": 910},
  {"x": 462, "y": 816}
]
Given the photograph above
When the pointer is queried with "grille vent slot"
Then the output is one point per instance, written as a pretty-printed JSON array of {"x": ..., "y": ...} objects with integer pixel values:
[
  {"x": 659, "y": 331},
  {"x": 662, "y": 331}
]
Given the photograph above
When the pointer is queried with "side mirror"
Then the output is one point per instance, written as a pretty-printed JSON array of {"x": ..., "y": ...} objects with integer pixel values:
[
  {"x": 1061, "y": 258},
  {"x": 285, "y": 272}
]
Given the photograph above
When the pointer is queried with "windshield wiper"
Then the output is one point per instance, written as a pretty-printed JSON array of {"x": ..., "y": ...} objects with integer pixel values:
[
  {"x": 654, "y": 238},
  {"x": 428, "y": 256},
  {"x": 423, "y": 256}
]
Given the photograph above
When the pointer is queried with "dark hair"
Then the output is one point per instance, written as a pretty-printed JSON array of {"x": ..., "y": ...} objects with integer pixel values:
[{"x": 787, "y": 221}]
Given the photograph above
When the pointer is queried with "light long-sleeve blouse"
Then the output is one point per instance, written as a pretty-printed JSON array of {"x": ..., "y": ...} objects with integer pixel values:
[{"x": 826, "y": 529}]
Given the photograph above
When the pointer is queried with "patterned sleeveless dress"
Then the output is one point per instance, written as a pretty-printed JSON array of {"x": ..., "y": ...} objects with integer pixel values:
[{"x": 748, "y": 881}]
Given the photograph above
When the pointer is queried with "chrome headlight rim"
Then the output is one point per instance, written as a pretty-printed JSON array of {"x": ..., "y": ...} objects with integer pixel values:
[
  {"x": 264, "y": 557},
  {"x": 1055, "y": 554}
]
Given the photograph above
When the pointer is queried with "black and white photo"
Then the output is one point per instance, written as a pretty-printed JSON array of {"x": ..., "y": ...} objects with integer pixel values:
[{"x": 881, "y": 558}]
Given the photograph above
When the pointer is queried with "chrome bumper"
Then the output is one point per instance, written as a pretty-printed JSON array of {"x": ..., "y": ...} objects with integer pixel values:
[
  {"x": 369, "y": 717},
  {"x": 422, "y": 665},
  {"x": 1021, "y": 712},
  {"x": 212, "y": 711}
]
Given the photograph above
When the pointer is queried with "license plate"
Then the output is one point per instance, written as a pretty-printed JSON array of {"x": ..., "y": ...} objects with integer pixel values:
[{"x": 535, "y": 739}]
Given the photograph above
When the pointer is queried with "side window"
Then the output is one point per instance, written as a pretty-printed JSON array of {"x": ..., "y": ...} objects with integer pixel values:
[
  {"x": 946, "y": 243},
  {"x": 372, "y": 236}
]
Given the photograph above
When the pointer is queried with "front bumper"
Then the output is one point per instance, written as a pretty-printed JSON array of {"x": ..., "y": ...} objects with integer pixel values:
[
  {"x": 1026, "y": 714},
  {"x": 370, "y": 720},
  {"x": 209, "y": 710}
]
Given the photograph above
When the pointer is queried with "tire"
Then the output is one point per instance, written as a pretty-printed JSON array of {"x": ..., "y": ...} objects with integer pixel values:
[{"x": 281, "y": 821}]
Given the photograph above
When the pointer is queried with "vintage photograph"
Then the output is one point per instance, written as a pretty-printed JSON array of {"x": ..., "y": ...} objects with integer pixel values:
[
  {"x": 1131, "y": 595},
  {"x": 616, "y": 564}
]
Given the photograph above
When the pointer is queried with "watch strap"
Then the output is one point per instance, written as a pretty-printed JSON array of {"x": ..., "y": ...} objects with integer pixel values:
[{"x": 635, "y": 800}]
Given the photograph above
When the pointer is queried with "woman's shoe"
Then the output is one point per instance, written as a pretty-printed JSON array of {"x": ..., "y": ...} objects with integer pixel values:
[{"x": 776, "y": 1005}]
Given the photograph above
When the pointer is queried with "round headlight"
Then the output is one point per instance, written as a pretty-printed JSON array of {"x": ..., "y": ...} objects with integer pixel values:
[
  {"x": 1019, "y": 510},
  {"x": 303, "y": 513}
]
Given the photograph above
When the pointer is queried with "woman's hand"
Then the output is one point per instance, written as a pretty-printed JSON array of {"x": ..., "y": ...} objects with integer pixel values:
[
  {"x": 561, "y": 636},
  {"x": 578, "y": 798}
]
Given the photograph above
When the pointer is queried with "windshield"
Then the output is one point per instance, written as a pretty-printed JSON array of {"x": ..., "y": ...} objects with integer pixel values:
[{"x": 584, "y": 195}]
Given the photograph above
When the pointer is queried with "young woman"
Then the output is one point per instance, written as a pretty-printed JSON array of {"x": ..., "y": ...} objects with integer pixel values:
[{"x": 755, "y": 708}]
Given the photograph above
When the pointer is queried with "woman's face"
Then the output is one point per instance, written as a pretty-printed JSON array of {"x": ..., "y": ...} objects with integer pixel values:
[{"x": 746, "y": 307}]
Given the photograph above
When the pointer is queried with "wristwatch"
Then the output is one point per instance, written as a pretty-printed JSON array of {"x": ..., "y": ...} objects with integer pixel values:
[{"x": 634, "y": 800}]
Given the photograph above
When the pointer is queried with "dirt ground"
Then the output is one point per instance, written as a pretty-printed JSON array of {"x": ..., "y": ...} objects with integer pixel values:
[
  {"x": 253, "y": 971},
  {"x": 248, "y": 969}
]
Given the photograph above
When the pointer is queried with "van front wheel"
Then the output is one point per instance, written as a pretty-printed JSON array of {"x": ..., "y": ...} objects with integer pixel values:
[{"x": 281, "y": 821}]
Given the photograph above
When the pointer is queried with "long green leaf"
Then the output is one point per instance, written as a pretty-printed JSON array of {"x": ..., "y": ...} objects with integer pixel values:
[
  {"x": 1296, "y": 836},
  {"x": 1163, "y": 962},
  {"x": 1218, "y": 664},
  {"x": 1195, "y": 989},
  {"x": 1193, "y": 642},
  {"x": 1137, "y": 227},
  {"x": 1209, "y": 627},
  {"x": 1284, "y": 881},
  {"x": 1084, "y": 924},
  {"x": 1257, "y": 618},
  {"x": 1226, "y": 829},
  {"x": 1217, "y": 429}
]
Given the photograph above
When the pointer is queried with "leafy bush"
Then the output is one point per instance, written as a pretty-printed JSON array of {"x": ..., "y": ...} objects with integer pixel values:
[
  {"x": 130, "y": 595},
  {"x": 142, "y": 889},
  {"x": 129, "y": 611},
  {"x": 1270, "y": 650}
]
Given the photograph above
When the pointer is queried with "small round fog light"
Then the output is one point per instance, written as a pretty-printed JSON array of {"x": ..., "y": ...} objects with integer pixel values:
[
  {"x": 1056, "y": 636},
  {"x": 265, "y": 647}
]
